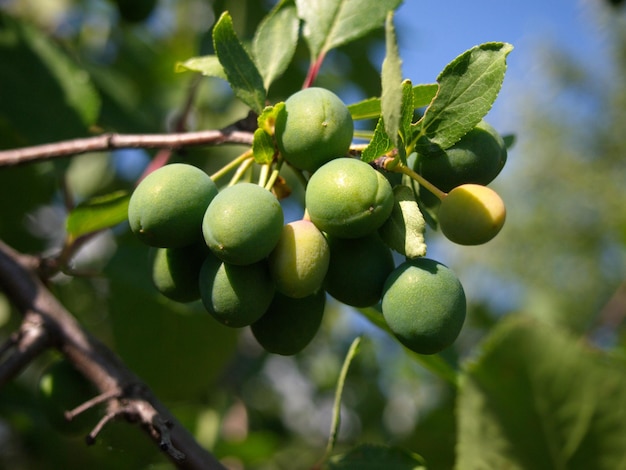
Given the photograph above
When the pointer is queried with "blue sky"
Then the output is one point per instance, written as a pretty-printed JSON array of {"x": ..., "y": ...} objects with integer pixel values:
[{"x": 442, "y": 29}]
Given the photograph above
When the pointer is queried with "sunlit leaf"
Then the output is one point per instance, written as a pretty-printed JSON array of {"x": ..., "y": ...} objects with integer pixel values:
[
  {"x": 208, "y": 65},
  {"x": 98, "y": 213},
  {"x": 332, "y": 23},
  {"x": 391, "y": 78},
  {"x": 275, "y": 41},
  {"x": 379, "y": 145},
  {"x": 370, "y": 108},
  {"x": 403, "y": 231},
  {"x": 468, "y": 86},
  {"x": 262, "y": 147},
  {"x": 242, "y": 73}
]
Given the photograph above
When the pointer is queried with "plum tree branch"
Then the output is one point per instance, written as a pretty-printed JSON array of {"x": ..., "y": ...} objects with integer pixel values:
[
  {"x": 113, "y": 141},
  {"x": 53, "y": 326}
]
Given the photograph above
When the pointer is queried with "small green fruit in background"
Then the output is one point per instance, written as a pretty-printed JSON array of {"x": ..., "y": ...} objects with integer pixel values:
[
  {"x": 424, "y": 305},
  {"x": 167, "y": 207},
  {"x": 299, "y": 262},
  {"x": 289, "y": 324},
  {"x": 175, "y": 271},
  {"x": 348, "y": 198},
  {"x": 471, "y": 214},
  {"x": 314, "y": 128},
  {"x": 236, "y": 296},
  {"x": 62, "y": 388},
  {"x": 477, "y": 158},
  {"x": 358, "y": 269},
  {"x": 243, "y": 224}
]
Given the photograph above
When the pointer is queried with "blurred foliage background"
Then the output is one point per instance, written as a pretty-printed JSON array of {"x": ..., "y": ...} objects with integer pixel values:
[{"x": 73, "y": 68}]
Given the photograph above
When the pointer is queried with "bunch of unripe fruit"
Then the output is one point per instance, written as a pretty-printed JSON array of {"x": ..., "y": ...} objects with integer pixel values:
[{"x": 232, "y": 249}]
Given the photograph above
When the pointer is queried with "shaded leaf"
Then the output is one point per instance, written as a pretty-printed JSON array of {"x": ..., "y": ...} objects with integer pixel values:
[
  {"x": 539, "y": 398},
  {"x": 332, "y": 23},
  {"x": 275, "y": 41},
  {"x": 98, "y": 213},
  {"x": 208, "y": 65},
  {"x": 468, "y": 86},
  {"x": 374, "y": 457},
  {"x": 242, "y": 73},
  {"x": 45, "y": 95}
]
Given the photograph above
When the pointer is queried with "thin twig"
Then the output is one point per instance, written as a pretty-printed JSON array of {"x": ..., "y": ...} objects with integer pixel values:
[
  {"x": 113, "y": 141},
  {"x": 96, "y": 362}
]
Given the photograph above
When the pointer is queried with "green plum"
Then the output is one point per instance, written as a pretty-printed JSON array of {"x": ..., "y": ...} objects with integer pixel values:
[
  {"x": 477, "y": 158},
  {"x": 236, "y": 296},
  {"x": 299, "y": 262},
  {"x": 358, "y": 269},
  {"x": 167, "y": 206},
  {"x": 314, "y": 127},
  {"x": 471, "y": 214},
  {"x": 424, "y": 305},
  {"x": 243, "y": 224},
  {"x": 290, "y": 324},
  {"x": 175, "y": 271},
  {"x": 348, "y": 198}
]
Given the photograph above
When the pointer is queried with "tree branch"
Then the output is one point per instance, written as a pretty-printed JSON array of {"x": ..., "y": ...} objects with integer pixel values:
[
  {"x": 114, "y": 141},
  {"x": 129, "y": 396}
]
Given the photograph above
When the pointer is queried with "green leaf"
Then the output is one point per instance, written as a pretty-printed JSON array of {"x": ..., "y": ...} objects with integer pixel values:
[
  {"x": 404, "y": 230},
  {"x": 374, "y": 457},
  {"x": 262, "y": 147},
  {"x": 45, "y": 95},
  {"x": 539, "y": 398},
  {"x": 275, "y": 41},
  {"x": 370, "y": 108},
  {"x": 379, "y": 145},
  {"x": 267, "y": 119},
  {"x": 406, "y": 112},
  {"x": 333, "y": 23},
  {"x": 98, "y": 213},
  {"x": 468, "y": 86},
  {"x": 242, "y": 73},
  {"x": 391, "y": 99},
  {"x": 424, "y": 94},
  {"x": 208, "y": 65}
]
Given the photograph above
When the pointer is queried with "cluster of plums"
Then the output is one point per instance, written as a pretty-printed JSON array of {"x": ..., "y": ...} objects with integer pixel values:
[{"x": 232, "y": 249}]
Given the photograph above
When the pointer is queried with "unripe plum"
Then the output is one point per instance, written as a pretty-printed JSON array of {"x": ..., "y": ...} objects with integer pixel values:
[
  {"x": 424, "y": 305},
  {"x": 358, "y": 269},
  {"x": 175, "y": 271},
  {"x": 477, "y": 158},
  {"x": 290, "y": 324},
  {"x": 299, "y": 262},
  {"x": 348, "y": 198},
  {"x": 243, "y": 224},
  {"x": 236, "y": 296},
  {"x": 471, "y": 214},
  {"x": 315, "y": 127},
  {"x": 167, "y": 206}
]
